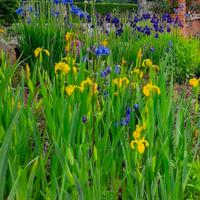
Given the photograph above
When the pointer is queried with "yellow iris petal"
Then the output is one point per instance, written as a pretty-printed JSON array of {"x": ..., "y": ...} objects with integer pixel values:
[
  {"x": 37, "y": 51},
  {"x": 70, "y": 89},
  {"x": 146, "y": 91},
  {"x": 62, "y": 66},
  {"x": 141, "y": 147},
  {"x": 149, "y": 88},
  {"x": 120, "y": 81},
  {"x": 194, "y": 82},
  {"x": 147, "y": 63},
  {"x": 141, "y": 144},
  {"x": 47, "y": 52},
  {"x": 68, "y": 36},
  {"x": 104, "y": 43}
]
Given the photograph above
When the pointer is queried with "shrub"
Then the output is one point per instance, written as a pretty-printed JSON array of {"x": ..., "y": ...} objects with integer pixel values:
[
  {"x": 7, "y": 11},
  {"x": 104, "y": 8}
]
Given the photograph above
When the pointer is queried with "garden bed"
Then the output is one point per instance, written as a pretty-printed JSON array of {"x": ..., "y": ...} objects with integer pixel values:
[{"x": 91, "y": 112}]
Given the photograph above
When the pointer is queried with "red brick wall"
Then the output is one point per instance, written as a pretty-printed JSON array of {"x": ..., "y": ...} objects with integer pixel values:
[
  {"x": 190, "y": 27},
  {"x": 195, "y": 29}
]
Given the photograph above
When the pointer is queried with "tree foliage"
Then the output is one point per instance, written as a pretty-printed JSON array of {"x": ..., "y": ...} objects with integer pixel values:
[{"x": 7, "y": 11}]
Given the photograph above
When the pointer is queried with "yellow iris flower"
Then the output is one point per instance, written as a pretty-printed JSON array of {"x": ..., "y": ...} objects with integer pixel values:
[
  {"x": 120, "y": 81},
  {"x": 62, "y": 66},
  {"x": 68, "y": 36},
  {"x": 88, "y": 81},
  {"x": 155, "y": 67},
  {"x": 104, "y": 43},
  {"x": 138, "y": 72},
  {"x": 149, "y": 88},
  {"x": 38, "y": 50},
  {"x": 141, "y": 144},
  {"x": 147, "y": 63},
  {"x": 84, "y": 83},
  {"x": 95, "y": 88},
  {"x": 137, "y": 132},
  {"x": 70, "y": 89},
  {"x": 194, "y": 82}
]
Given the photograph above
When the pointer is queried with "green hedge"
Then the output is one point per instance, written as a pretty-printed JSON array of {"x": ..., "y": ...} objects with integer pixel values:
[
  {"x": 7, "y": 11},
  {"x": 104, "y": 8}
]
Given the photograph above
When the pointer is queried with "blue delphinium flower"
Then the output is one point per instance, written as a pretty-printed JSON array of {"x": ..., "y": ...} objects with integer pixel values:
[
  {"x": 154, "y": 20},
  {"x": 119, "y": 31},
  {"x": 108, "y": 18},
  {"x": 147, "y": 30},
  {"x": 78, "y": 12},
  {"x": 64, "y": 2},
  {"x": 169, "y": 19},
  {"x": 155, "y": 26},
  {"x": 115, "y": 20},
  {"x": 55, "y": 13},
  {"x": 19, "y": 11},
  {"x": 108, "y": 69},
  {"x": 152, "y": 49},
  {"x": 168, "y": 29},
  {"x": 88, "y": 17},
  {"x": 170, "y": 44},
  {"x": 127, "y": 118},
  {"x": 136, "y": 106},
  {"x": 161, "y": 29},
  {"x": 105, "y": 72},
  {"x": 30, "y": 8},
  {"x": 75, "y": 10},
  {"x": 117, "y": 69},
  {"x": 146, "y": 16},
  {"x": 136, "y": 19},
  {"x": 56, "y": 2},
  {"x": 156, "y": 35},
  {"x": 139, "y": 28},
  {"x": 165, "y": 16},
  {"x": 84, "y": 119},
  {"x": 102, "y": 51}
]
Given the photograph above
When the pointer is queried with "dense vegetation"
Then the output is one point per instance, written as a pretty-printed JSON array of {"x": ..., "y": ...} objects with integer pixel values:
[{"x": 93, "y": 108}]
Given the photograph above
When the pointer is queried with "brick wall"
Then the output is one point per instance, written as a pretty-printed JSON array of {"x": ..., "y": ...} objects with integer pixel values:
[{"x": 191, "y": 26}]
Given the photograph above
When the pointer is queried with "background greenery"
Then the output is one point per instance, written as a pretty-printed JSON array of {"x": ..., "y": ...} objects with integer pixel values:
[{"x": 7, "y": 11}]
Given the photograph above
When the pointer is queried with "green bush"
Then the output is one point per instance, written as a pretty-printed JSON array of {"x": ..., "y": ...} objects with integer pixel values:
[
  {"x": 104, "y": 8},
  {"x": 7, "y": 11},
  {"x": 183, "y": 54}
]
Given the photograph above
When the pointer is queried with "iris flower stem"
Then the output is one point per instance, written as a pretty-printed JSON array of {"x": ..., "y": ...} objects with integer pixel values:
[{"x": 93, "y": 117}]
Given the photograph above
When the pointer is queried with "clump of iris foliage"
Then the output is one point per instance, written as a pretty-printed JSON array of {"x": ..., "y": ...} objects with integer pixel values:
[{"x": 96, "y": 114}]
